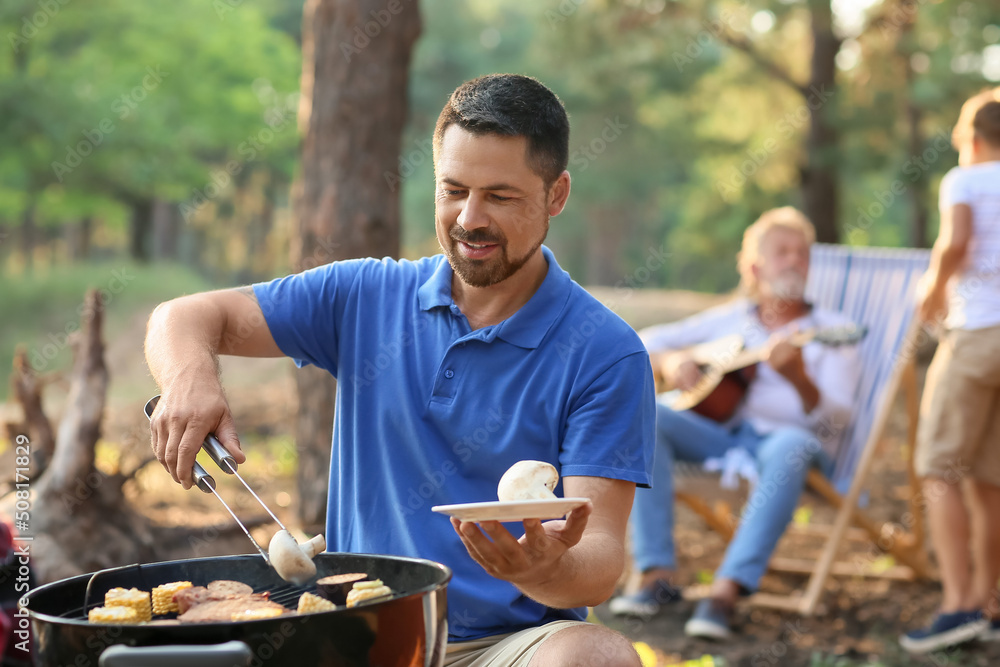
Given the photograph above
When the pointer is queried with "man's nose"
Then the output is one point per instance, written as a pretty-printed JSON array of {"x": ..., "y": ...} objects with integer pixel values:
[{"x": 473, "y": 214}]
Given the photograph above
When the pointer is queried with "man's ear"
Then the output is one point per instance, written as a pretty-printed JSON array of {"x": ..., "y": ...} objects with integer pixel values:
[{"x": 558, "y": 194}]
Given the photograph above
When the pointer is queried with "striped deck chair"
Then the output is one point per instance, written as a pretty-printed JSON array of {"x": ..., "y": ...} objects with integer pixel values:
[{"x": 875, "y": 287}]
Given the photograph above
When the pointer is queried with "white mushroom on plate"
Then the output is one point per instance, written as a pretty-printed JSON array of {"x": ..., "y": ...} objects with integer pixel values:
[
  {"x": 291, "y": 560},
  {"x": 528, "y": 480}
]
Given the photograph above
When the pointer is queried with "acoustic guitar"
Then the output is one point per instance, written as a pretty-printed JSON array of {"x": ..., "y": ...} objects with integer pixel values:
[{"x": 728, "y": 368}]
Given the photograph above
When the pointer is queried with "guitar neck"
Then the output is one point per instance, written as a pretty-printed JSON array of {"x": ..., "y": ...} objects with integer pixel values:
[{"x": 755, "y": 355}]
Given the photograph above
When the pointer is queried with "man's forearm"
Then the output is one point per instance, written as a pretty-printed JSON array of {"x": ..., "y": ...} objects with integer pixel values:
[
  {"x": 183, "y": 335},
  {"x": 808, "y": 392},
  {"x": 584, "y": 577}
]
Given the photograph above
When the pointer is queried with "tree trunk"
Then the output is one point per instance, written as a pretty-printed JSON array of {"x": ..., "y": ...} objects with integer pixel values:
[
  {"x": 820, "y": 183},
  {"x": 26, "y": 387},
  {"x": 79, "y": 518},
  {"x": 80, "y": 235},
  {"x": 604, "y": 245},
  {"x": 28, "y": 233},
  {"x": 356, "y": 57},
  {"x": 916, "y": 193},
  {"x": 165, "y": 222},
  {"x": 140, "y": 228}
]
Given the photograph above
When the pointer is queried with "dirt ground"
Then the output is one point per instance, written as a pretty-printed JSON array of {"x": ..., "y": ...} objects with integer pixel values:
[{"x": 862, "y": 616}]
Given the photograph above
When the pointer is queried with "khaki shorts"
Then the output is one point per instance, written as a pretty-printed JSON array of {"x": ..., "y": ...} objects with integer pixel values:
[
  {"x": 511, "y": 650},
  {"x": 959, "y": 432}
]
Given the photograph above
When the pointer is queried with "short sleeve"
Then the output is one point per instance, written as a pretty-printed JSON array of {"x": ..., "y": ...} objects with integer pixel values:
[
  {"x": 955, "y": 189},
  {"x": 611, "y": 427},
  {"x": 304, "y": 311}
]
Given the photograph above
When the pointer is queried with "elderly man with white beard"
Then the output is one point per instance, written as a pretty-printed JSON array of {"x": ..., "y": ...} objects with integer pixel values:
[{"x": 788, "y": 421}]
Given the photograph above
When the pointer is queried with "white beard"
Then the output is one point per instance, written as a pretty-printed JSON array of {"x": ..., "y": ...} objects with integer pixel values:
[{"x": 789, "y": 286}]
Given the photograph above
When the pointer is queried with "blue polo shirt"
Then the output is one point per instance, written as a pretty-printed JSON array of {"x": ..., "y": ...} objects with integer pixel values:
[{"x": 430, "y": 412}]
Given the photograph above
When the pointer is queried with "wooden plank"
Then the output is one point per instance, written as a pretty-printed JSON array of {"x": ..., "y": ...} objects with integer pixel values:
[
  {"x": 847, "y": 509},
  {"x": 841, "y": 569},
  {"x": 912, "y": 396},
  {"x": 902, "y": 547},
  {"x": 792, "y": 603},
  {"x": 822, "y": 530},
  {"x": 723, "y": 526}
]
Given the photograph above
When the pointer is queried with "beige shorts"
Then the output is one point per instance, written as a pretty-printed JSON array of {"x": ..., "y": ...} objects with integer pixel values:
[
  {"x": 959, "y": 432},
  {"x": 511, "y": 650}
]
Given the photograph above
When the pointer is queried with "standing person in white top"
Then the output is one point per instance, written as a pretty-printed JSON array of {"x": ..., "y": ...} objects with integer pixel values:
[
  {"x": 958, "y": 442},
  {"x": 789, "y": 421}
]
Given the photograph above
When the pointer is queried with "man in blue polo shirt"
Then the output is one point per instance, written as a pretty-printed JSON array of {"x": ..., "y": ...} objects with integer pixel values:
[{"x": 452, "y": 368}]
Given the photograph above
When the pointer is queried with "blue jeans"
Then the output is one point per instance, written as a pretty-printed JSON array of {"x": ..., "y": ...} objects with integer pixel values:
[{"x": 783, "y": 460}]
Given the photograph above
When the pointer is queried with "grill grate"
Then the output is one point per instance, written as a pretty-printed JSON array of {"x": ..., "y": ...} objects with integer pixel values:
[{"x": 287, "y": 596}]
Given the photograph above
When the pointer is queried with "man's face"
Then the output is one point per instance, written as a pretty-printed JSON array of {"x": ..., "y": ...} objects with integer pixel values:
[
  {"x": 491, "y": 210},
  {"x": 783, "y": 264}
]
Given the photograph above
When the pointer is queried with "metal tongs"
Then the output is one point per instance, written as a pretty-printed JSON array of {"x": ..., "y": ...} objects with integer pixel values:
[{"x": 227, "y": 463}]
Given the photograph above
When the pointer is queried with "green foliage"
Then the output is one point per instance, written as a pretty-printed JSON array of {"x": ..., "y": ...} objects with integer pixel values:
[{"x": 120, "y": 101}]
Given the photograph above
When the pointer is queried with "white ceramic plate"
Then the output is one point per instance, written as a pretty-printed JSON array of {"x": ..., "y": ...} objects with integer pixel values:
[{"x": 512, "y": 510}]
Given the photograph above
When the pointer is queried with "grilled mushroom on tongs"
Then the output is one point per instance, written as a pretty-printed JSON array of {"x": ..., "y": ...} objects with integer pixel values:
[{"x": 291, "y": 560}]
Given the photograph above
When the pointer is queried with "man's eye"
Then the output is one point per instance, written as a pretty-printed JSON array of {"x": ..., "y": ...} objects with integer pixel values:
[{"x": 499, "y": 198}]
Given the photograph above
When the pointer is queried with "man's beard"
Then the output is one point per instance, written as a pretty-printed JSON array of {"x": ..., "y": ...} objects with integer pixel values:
[
  {"x": 490, "y": 271},
  {"x": 789, "y": 286}
]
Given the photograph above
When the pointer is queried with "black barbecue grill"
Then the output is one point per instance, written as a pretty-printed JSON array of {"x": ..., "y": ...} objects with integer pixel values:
[{"x": 407, "y": 629}]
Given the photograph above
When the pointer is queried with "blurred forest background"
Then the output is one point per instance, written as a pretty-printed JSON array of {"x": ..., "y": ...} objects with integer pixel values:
[
  {"x": 149, "y": 150},
  {"x": 169, "y": 138}
]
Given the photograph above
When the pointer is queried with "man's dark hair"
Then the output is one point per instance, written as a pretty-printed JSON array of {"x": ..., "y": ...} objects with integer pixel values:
[
  {"x": 986, "y": 123},
  {"x": 512, "y": 105}
]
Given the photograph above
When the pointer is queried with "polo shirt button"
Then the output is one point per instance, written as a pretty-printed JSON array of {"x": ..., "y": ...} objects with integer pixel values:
[{"x": 449, "y": 374}]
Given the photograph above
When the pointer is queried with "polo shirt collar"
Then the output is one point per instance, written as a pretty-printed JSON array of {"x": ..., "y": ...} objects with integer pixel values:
[{"x": 525, "y": 328}]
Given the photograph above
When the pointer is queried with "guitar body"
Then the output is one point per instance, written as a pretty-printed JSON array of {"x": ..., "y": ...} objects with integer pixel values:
[
  {"x": 728, "y": 368},
  {"x": 721, "y": 403}
]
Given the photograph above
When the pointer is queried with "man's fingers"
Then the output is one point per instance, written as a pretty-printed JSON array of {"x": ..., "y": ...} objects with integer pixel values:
[
  {"x": 227, "y": 435},
  {"x": 504, "y": 544},
  {"x": 168, "y": 455},
  {"x": 187, "y": 451},
  {"x": 535, "y": 536},
  {"x": 478, "y": 545},
  {"x": 576, "y": 523}
]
